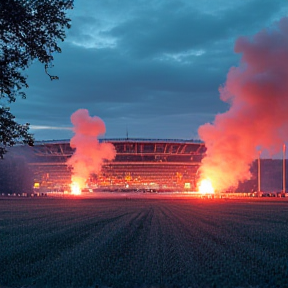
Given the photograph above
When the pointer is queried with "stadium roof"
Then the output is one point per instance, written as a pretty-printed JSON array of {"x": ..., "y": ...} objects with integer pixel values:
[{"x": 125, "y": 140}]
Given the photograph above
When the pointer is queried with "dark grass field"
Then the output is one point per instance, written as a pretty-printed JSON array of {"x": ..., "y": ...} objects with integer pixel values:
[{"x": 143, "y": 242}]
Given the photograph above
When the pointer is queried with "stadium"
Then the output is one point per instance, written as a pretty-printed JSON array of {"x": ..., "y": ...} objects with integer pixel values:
[{"x": 140, "y": 164}]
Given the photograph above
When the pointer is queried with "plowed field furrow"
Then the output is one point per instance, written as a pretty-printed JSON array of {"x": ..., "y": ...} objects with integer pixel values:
[
  {"x": 56, "y": 246},
  {"x": 143, "y": 242},
  {"x": 100, "y": 253},
  {"x": 178, "y": 258},
  {"x": 211, "y": 243}
]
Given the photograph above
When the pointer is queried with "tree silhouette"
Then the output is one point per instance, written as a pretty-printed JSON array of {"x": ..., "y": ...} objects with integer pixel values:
[
  {"x": 11, "y": 132},
  {"x": 15, "y": 175},
  {"x": 30, "y": 30}
]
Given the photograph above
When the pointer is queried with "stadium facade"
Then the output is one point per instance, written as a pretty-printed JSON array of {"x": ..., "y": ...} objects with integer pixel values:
[{"x": 140, "y": 164}]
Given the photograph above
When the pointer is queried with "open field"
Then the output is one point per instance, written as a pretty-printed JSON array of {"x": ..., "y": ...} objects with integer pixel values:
[{"x": 143, "y": 242}]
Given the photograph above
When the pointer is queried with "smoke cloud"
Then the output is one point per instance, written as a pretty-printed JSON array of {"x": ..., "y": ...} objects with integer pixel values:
[
  {"x": 257, "y": 92},
  {"x": 89, "y": 153}
]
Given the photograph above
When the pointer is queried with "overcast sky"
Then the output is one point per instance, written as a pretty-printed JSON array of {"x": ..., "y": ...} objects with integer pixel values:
[{"x": 149, "y": 67}]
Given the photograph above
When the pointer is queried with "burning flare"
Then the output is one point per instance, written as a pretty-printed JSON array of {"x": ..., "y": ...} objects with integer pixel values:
[
  {"x": 75, "y": 188},
  {"x": 206, "y": 187}
]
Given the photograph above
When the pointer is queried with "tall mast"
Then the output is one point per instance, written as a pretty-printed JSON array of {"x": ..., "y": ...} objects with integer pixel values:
[
  {"x": 284, "y": 168},
  {"x": 259, "y": 173}
]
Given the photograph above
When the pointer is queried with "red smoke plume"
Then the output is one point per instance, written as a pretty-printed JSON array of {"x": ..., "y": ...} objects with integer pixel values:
[
  {"x": 89, "y": 153},
  {"x": 257, "y": 92}
]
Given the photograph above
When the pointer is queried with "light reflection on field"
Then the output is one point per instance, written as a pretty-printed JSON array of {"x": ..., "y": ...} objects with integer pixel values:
[{"x": 166, "y": 195}]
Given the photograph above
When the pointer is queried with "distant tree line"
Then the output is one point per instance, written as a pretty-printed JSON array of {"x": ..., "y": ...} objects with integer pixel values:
[
  {"x": 271, "y": 177},
  {"x": 15, "y": 175}
]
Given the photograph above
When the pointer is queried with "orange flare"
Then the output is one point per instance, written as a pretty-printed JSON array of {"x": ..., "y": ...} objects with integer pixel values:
[
  {"x": 75, "y": 188},
  {"x": 205, "y": 187}
]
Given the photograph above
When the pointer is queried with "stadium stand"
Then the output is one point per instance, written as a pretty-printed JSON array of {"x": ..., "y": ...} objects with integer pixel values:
[{"x": 140, "y": 164}]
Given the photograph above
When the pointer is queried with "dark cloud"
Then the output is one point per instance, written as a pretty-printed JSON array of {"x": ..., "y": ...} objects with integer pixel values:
[
  {"x": 154, "y": 66},
  {"x": 174, "y": 30}
]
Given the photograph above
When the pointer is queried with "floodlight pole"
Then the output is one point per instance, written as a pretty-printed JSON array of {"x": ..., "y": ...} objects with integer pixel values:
[
  {"x": 284, "y": 168},
  {"x": 259, "y": 173}
]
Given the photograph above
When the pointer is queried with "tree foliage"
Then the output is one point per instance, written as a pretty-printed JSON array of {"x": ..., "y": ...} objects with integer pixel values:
[
  {"x": 11, "y": 132},
  {"x": 30, "y": 30},
  {"x": 15, "y": 175}
]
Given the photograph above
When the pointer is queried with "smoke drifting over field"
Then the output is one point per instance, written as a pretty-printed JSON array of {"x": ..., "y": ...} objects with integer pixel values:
[
  {"x": 257, "y": 92},
  {"x": 89, "y": 153}
]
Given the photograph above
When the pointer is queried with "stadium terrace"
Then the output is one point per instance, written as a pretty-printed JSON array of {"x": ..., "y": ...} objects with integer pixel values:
[{"x": 140, "y": 165}]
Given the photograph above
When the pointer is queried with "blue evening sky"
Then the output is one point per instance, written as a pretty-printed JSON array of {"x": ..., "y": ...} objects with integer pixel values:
[{"x": 149, "y": 67}]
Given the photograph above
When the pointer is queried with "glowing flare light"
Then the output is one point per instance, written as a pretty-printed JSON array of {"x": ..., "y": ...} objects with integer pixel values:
[
  {"x": 206, "y": 187},
  {"x": 75, "y": 188}
]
